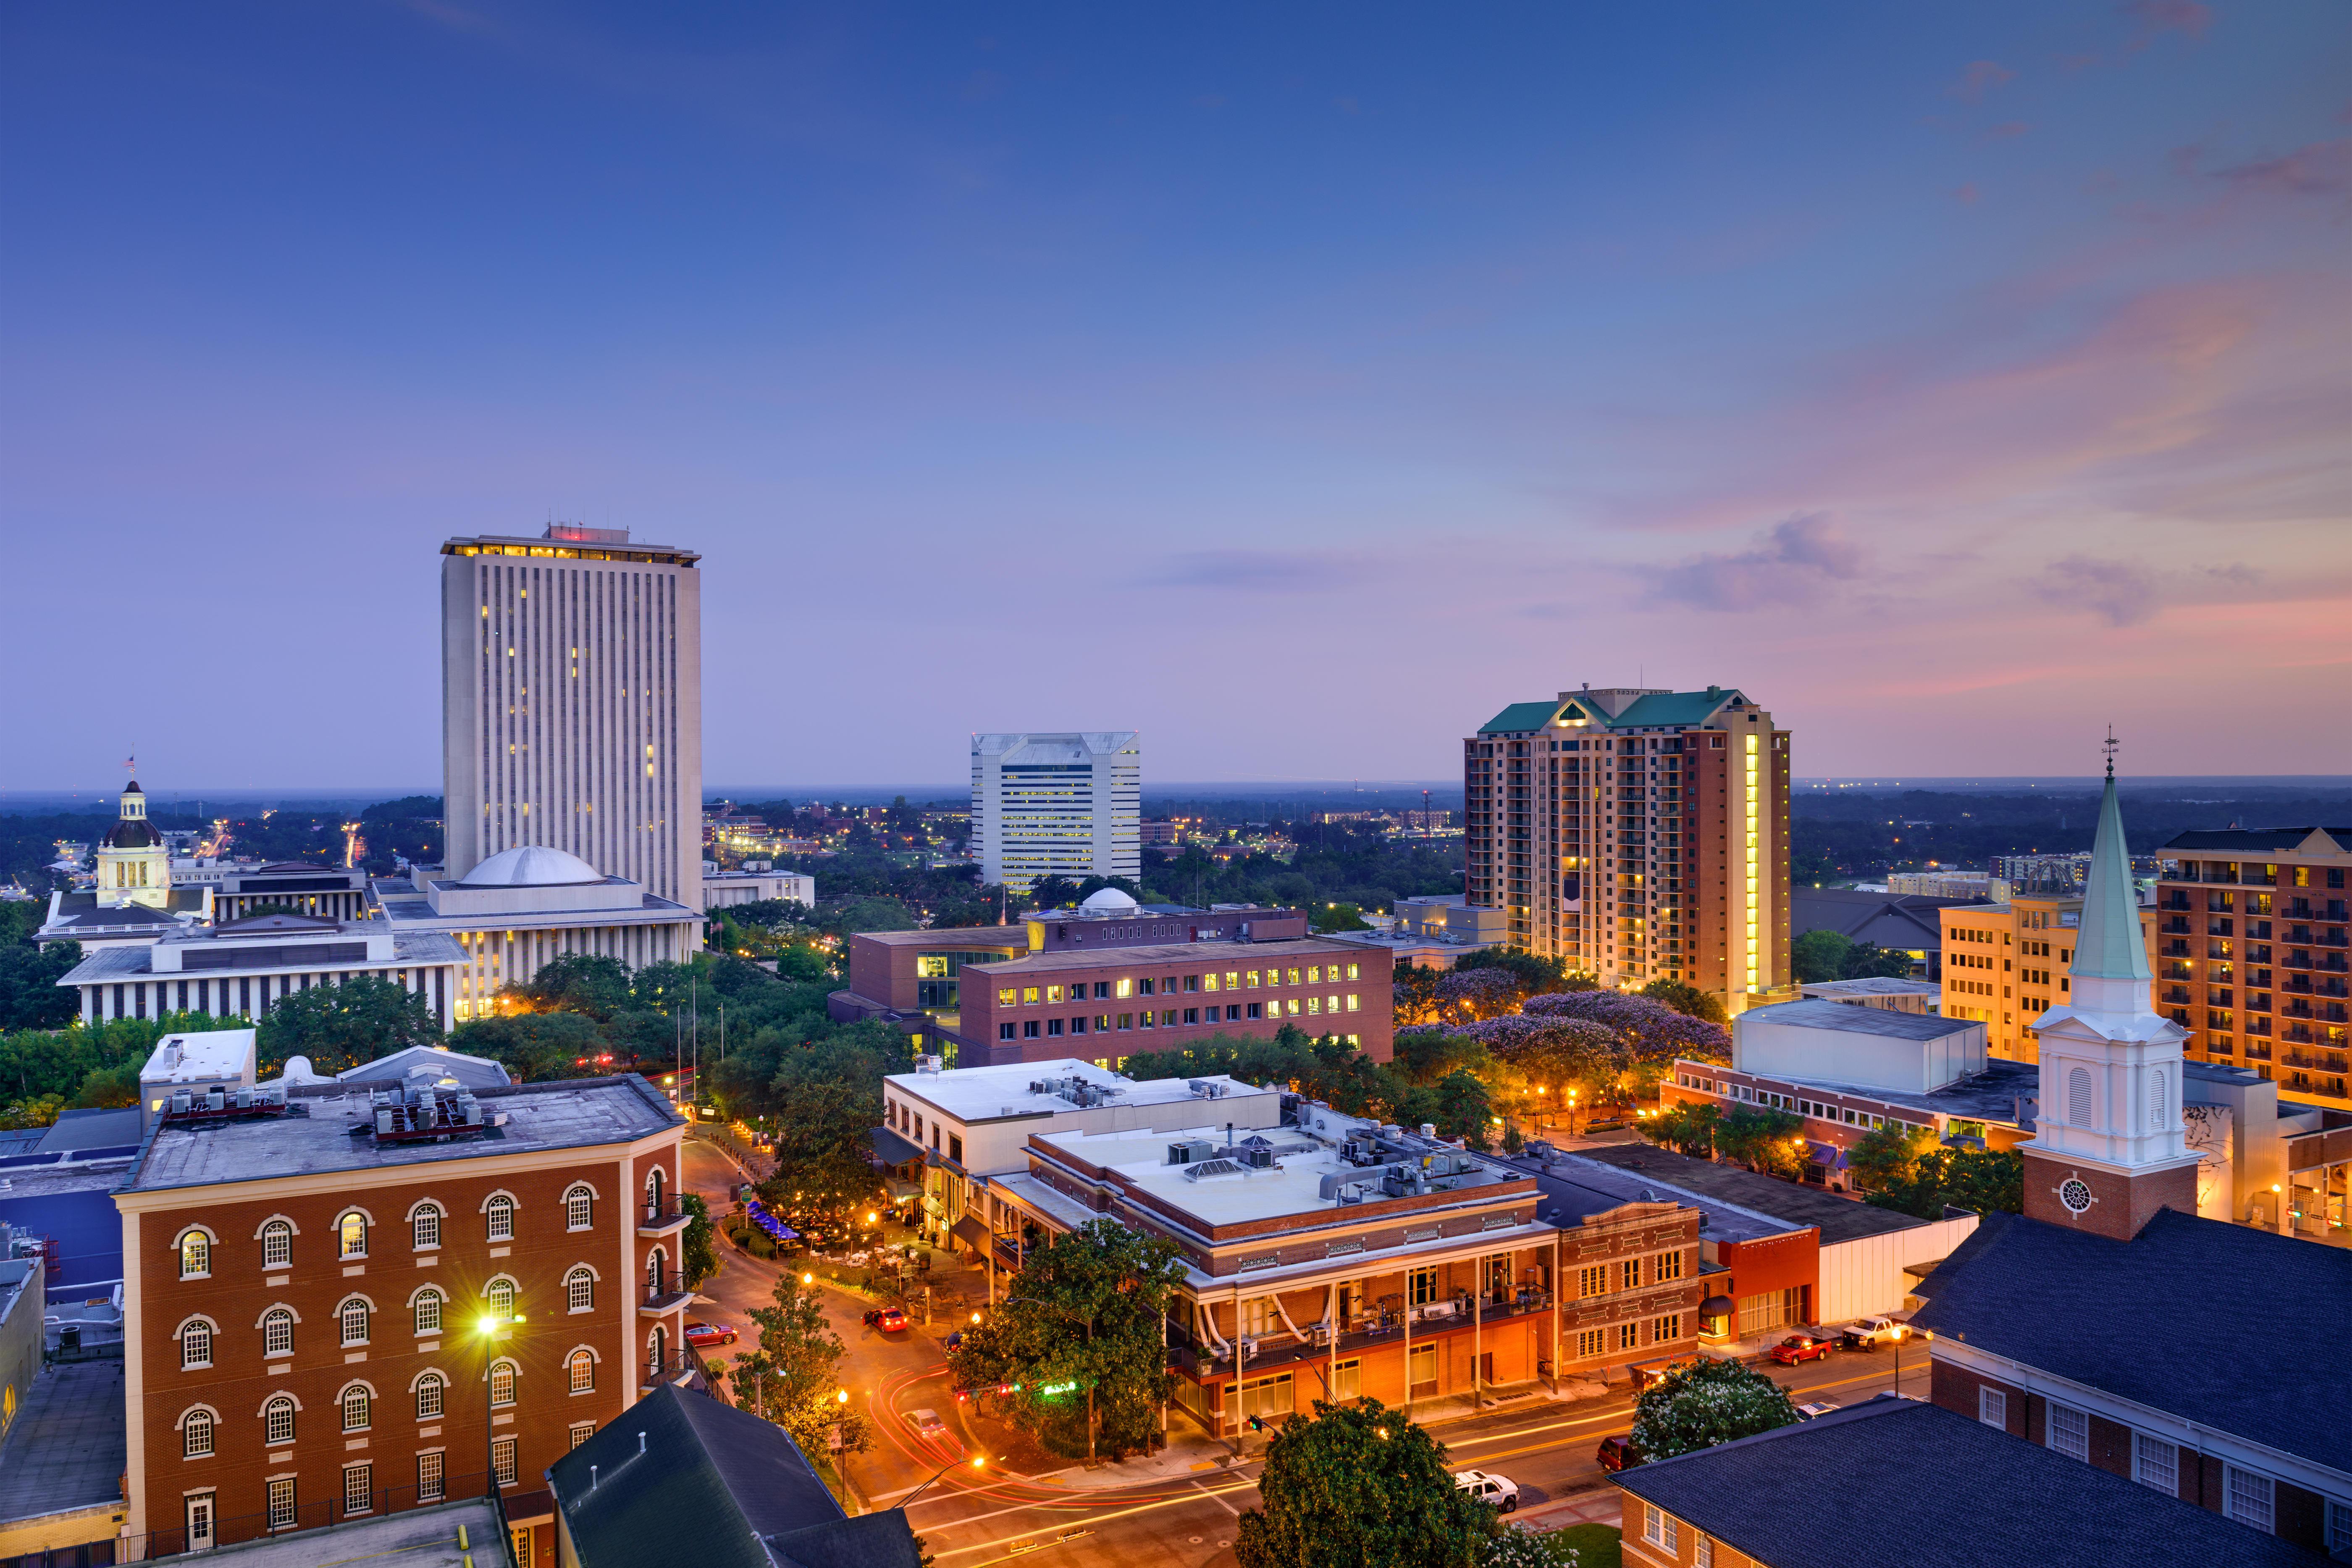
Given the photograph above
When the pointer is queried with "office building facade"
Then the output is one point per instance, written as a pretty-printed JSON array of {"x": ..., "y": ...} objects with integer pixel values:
[
  {"x": 2005, "y": 964},
  {"x": 1057, "y": 806},
  {"x": 2253, "y": 938},
  {"x": 572, "y": 704},
  {"x": 1639, "y": 835}
]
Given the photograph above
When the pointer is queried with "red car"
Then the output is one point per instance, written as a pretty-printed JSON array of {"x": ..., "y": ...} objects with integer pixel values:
[
  {"x": 702, "y": 1335},
  {"x": 1800, "y": 1347},
  {"x": 1618, "y": 1453},
  {"x": 886, "y": 1320}
]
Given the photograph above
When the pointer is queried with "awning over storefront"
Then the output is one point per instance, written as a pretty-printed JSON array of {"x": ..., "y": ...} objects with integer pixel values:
[
  {"x": 970, "y": 1232},
  {"x": 1828, "y": 1154},
  {"x": 893, "y": 1149},
  {"x": 901, "y": 1190}
]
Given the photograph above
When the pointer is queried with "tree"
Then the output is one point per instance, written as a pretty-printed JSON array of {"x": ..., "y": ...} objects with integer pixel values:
[
  {"x": 1687, "y": 999},
  {"x": 1868, "y": 960},
  {"x": 1818, "y": 956},
  {"x": 1053, "y": 892},
  {"x": 534, "y": 1048},
  {"x": 1706, "y": 1402},
  {"x": 792, "y": 1378},
  {"x": 1686, "y": 1127},
  {"x": 346, "y": 1025},
  {"x": 1358, "y": 1486},
  {"x": 700, "y": 1248},
  {"x": 1341, "y": 917},
  {"x": 38, "y": 1111},
  {"x": 109, "y": 1088},
  {"x": 1463, "y": 1109},
  {"x": 1529, "y": 1546},
  {"x": 584, "y": 983},
  {"x": 1536, "y": 976},
  {"x": 824, "y": 1098},
  {"x": 1761, "y": 1138},
  {"x": 1987, "y": 1181},
  {"x": 1887, "y": 1155},
  {"x": 30, "y": 996},
  {"x": 1080, "y": 1331}
]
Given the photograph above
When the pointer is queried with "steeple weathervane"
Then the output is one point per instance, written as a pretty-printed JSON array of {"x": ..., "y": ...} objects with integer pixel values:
[{"x": 2110, "y": 748}]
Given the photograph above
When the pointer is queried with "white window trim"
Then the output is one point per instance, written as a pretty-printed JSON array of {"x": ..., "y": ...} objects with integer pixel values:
[
  {"x": 594, "y": 1198},
  {"x": 594, "y": 1279},
  {"x": 212, "y": 1341},
  {"x": 1990, "y": 1402},
  {"x": 345, "y": 1392},
  {"x": 2229, "y": 1474},
  {"x": 212, "y": 1244},
  {"x": 2050, "y": 1429}
]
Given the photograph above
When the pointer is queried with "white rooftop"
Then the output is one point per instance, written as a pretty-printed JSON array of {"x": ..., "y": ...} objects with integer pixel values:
[
  {"x": 993, "y": 1093},
  {"x": 205, "y": 1056}
]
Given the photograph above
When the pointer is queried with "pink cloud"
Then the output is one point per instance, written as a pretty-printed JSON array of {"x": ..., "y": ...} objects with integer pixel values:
[
  {"x": 2170, "y": 15},
  {"x": 1981, "y": 78},
  {"x": 2322, "y": 168}
]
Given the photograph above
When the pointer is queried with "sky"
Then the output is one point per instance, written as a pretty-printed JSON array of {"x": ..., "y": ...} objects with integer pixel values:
[{"x": 1298, "y": 385}]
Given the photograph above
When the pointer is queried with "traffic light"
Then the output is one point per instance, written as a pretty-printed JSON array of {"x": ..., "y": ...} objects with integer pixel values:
[{"x": 1255, "y": 1423}]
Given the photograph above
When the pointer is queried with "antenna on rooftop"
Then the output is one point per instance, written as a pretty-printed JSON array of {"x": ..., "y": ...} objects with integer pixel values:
[{"x": 2110, "y": 748}]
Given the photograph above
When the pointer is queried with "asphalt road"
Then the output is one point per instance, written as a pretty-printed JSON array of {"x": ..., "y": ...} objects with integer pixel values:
[{"x": 1187, "y": 1520}]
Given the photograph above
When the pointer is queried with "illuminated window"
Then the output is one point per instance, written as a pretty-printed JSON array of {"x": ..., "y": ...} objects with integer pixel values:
[
  {"x": 583, "y": 1368},
  {"x": 502, "y": 1383},
  {"x": 502, "y": 1299},
  {"x": 195, "y": 1255},
  {"x": 350, "y": 1236}
]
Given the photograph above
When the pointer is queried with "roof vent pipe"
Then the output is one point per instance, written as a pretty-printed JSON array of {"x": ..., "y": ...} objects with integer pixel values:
[
  {"x": 591, "y": 1478},
  {"x": 641, "y": 1442}
]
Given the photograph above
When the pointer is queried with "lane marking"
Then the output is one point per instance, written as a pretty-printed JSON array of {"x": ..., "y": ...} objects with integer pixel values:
[
  {"x": 1091, "y": 1519},
  {"x": 1221, "y": 1502}
]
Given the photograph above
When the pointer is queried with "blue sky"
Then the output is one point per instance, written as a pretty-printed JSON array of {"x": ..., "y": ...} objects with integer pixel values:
[{"x": 1296, "y": 385}]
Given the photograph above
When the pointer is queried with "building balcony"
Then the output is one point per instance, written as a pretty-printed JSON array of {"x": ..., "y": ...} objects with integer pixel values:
[
  {"x": 665, "y": 1293},
  {"x": 662, "y": 1219}
]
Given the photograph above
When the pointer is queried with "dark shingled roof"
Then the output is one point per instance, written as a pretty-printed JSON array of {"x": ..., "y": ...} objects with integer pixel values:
[
  {"x": 1899, "y": 1481},
  {"x": 1838, "y": 1219},
  {"x": 2141, "y": 1319},
  {"x": 703, "y": 1482}
]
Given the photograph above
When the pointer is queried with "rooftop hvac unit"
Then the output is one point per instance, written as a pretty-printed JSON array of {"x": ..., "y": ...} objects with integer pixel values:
[
  {"x": 1190, "y": 1149},
  {"x": 1257, "y": 1158}
]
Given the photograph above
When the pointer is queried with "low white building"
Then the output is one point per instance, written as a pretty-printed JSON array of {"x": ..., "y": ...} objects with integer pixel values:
[
  {"x": 522, "y": 908},
  {"x": 1827, "y": 1042},
  {"x": 971, "y": 1124},
  {"x": 721, "y": 889},
  {"x": 239, "y": 969},
  {"x": 194, "y": 1064}
]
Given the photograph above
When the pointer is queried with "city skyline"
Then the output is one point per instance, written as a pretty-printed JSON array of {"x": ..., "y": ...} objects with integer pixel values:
[{"x": 1929, "y": 378}]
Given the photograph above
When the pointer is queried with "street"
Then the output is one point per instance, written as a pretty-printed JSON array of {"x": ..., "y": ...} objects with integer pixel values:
[{"x": 1180, "y": 1507}]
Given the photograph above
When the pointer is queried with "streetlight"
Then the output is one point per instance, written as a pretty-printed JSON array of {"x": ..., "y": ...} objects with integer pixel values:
[
  {"x": 978, "y": 1462},
  {"x": 491, "y": 1328}
]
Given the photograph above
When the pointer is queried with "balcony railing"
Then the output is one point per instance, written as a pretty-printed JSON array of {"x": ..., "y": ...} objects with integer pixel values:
[{"x": 668, "y": 1215}]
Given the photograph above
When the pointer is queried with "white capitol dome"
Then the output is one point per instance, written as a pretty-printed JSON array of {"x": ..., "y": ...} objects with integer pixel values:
[
  {"x": 1109, "y": 901},
  {"x": 532, "y": 865}
]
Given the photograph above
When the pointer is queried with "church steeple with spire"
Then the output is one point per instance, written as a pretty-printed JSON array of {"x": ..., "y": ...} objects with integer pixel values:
[{"x": 2107, "y": 1151}]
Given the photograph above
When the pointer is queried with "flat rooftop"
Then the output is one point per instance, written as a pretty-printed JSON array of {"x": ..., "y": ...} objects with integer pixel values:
[
  {"x": 1000, "y": 1093},
  {"x": 68, "y": 1448},
  {"x": 1236, "y": 953},
  {"x": 1218, "y": 1192},
  {"x": 314, "y": 1136},
  {"x": 1874, "y": 985},
  {"x": 1578, "y": 1189},
  {"x": 128, "y": 962},
  {"x": 1824, "y": 1014},
  {"x": 953, "y": 937},
  {"x": 1837, "y": 1218},
  {"x": 199, "y": 1057},
  {"x": 1992, "y": 1095},
  {"x": 420, "y": 1538}
]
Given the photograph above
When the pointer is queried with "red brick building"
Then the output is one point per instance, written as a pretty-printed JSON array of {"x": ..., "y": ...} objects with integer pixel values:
[{"x": 305, "y": 1295}]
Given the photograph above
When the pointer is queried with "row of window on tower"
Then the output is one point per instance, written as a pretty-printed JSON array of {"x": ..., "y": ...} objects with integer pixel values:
[{"x": 427, "y": 1220}]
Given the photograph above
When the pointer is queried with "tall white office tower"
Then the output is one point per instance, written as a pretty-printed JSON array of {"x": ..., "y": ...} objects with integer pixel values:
[
  {"x": 1065, "y": 805},
  {"x": 572, "y": 704}
]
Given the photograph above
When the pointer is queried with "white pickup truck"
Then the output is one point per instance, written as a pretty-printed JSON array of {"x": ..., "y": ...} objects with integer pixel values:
[
  {"x": 1872, "y": 1332},
  {"x": 1488, "y": 1488}
]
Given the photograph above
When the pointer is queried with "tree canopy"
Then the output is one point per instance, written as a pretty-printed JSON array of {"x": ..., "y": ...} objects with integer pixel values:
[
  {"x": 1704, "y": 1402},
  {"x": 1986, "y": 1180},
  {"x": 342, "y": 1026},
  {"x": 1084, "y": 1314},
  {"x": 793, "y": 1377},
  {"x": 1359, "y": 1486}
]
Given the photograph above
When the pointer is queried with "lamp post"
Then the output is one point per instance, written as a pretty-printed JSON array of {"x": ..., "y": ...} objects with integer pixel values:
[
  {"x": 978, "y": 1462},
  {"x": 492, "y": 1329}
]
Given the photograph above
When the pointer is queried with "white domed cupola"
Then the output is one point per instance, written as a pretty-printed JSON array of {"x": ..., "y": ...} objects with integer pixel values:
[{"x": 133, "y": 866}]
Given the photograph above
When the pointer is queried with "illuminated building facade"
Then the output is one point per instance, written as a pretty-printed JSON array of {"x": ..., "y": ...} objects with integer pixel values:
[{"x": 1057, "y": 806}]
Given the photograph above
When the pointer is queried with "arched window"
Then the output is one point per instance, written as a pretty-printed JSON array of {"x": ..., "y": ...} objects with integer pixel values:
[
  {"x": 357, "y": 1408},
  {"x": 196, "y": 1434},
  {"x": 278, "y": 1420},
  {"x": 582, "y": 1367},
  {"x": 425, "y": 1226},
  {"x": 426, "y": 1309},
  {"x": 278, "y": 1331},
  {"x": 196, "y": 1343},
  {"x": 350, "y": 1236},
  {"x": 276, "y": 1244},
  {"x": 657, "y": 1271},
  {"x": 195, "y": 1256},
  {"x": 498, "y": 1217},
  {"x": 502, "y": 1299},
  {"x": 2156, "y": 1097},
  {"x": 656, "y": 1352},
  {"x": 580, "y": 1289},
  {"x": 2078, "y": 1096},
  {"x": 502, "y": 1383},
  {"x": 353, "y": 1316},
  {"x": 656, "y": 1182},
  {"x": 579, "y": 1208},
  {"x": 428, "y": 1396}
]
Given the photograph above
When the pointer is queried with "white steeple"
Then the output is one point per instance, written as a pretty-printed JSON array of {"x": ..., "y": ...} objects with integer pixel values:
[{"x": 2111, "y": 1066}]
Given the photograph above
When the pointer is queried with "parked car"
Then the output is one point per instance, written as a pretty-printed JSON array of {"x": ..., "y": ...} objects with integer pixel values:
[
  {"x": 1489, "y": 1487},
  {"x": 1799, "y": 1348},
  {"x": 1819, "y": 1407},
  {"x": 887, "y": 1320},
  {"x": 701, "y": 1335},
  {"x": 1618, "y": 1453},
  {"x": 1872, "y": 1332},
  {"x": 927, "y": 1425}
]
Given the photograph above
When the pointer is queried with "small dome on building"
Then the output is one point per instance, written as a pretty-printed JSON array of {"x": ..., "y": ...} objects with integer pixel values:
[
  {"x": 1109, "y": 901},
  {"x": 531, "y": 866}
]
